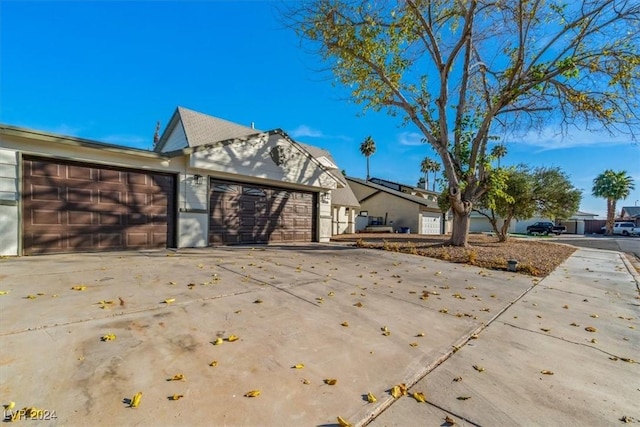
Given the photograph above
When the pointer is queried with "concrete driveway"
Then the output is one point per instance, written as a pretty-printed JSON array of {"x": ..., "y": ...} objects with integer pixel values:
[{"x": 368, "y": 319}]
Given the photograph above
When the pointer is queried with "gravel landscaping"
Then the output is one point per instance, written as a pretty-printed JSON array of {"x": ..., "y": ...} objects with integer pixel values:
[{"x": 535, "y": 257}]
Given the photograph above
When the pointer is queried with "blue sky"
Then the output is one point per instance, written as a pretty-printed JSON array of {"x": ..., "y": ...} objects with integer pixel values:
[{"x": 108, "y": 71}]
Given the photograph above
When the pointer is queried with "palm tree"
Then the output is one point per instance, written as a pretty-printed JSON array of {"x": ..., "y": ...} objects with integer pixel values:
[
  {"x": 499, "y": 151},
  {"x": 612, "y": 186},
  {"x": 367, "y": 148},
  {"x": 427, "y": 166}
]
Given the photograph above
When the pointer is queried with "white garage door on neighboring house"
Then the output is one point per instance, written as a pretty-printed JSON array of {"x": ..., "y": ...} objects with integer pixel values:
[{"x": 431, "y": 224}]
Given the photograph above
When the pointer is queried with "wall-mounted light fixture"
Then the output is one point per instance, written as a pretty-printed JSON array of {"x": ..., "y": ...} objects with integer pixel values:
[
  {"x": 325, "y": 197},
  {"x": 197, "y": 179}
]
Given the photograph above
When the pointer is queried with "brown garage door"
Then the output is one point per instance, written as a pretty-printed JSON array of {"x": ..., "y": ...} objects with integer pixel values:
[
  {"x": 243, "y": 213},
  {"x": 74, "y": 207}
]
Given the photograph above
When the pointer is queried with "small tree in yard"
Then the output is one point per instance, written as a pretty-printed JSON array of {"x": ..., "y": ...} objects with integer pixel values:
[
  {"x": 462, "y": 70},
  {"x": 612, "y": 186},
  {"x": 525, "y": 193}
]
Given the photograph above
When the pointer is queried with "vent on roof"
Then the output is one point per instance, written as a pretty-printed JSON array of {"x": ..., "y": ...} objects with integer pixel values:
[{"x": 253, "y": 125}]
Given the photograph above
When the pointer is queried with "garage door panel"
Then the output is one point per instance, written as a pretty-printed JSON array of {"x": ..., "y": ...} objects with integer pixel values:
[
  {"x": 95, "y": 208},
  {"x": 79, "y": 218},
  {"x": 45, "y": 193},
  {"x": 80, "y": 173},
  {"x": 108, "y": 175},
  {"x": 45, "y": 217}
]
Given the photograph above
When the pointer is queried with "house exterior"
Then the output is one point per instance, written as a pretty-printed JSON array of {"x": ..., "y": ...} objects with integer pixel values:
[
  {"x": 575, "y": 225},
  {"x": 630, "y": 213},
  {"x": 401, "y": 211},
  {"x": 207, "y": 182}
]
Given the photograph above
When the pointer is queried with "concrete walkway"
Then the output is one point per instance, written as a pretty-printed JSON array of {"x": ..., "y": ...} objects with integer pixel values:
[{"x": 368, "y": 319}]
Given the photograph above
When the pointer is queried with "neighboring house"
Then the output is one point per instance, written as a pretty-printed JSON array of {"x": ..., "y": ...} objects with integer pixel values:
[
  {"x": 208, "y": 182},
  {"x": 575, "y": 225},
  {"x": 398, "y": 210},
  {"x": 630, "y": 213}
]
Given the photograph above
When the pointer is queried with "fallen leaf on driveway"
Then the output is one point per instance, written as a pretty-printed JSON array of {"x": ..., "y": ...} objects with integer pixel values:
[
  {"x": 450, "y": 421},
  {"x": 478, "y": 368},
  {"x": 108, "y": 337},
  {"x": 398, "y": 390},
  {"x": 371, "y": 398},
  {"x": 214, "y": 363},
  {"x": 78, "y": 288},
  {"x": 463, "y": 397},
  {"x": 176, "y": 397},
  {"x": 344, "y": 423},
  {"x": 177, "y": 377},
  {"x": 545, "y": 329},
  {"x": 258, "y": 301},
  {"x": 419, "y": 396},
  {"x": 298, "y": 366},
  {"x": 457, "y": 379},
  {"x": 546, "y": 372},
  {"x": 4, "y": 292},
  {"x": 358, "y": 304},
  {"x": 135, "y": 401},
  {"x": 345, "y": 324},
  {"x": 218, "y": 341},
  {"x": 169, "y": 301},
  {"x": 252, "y": 393},
  {"x": 590, "y": 329},
  {"x": 233, "y": 338},
  {"x": 330, "y": 381},
  {"x": 413, "y": 344}
]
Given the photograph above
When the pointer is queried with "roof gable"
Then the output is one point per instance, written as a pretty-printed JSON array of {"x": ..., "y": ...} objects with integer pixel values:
[
  {"x": 416, "y": 199},
  {"x": 188, "y": 128}
]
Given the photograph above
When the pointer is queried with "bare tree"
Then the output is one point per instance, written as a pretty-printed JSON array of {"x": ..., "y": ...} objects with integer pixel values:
[{"x": 461, "y": 70}]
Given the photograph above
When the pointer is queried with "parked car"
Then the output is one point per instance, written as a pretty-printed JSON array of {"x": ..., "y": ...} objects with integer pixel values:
[
  {"x": 624, "y": 229},
  {"x": 546, "y": 228}
]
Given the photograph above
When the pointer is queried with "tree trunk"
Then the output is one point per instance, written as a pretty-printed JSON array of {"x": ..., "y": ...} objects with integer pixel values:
[
  {"x": 611, "y": 216},
  {"x": 504, "y": 230},
  {"x": 460, "y": 231}
]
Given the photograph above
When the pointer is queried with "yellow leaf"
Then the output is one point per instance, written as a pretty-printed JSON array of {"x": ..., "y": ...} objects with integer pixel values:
[
  {"x": 108, "y": 337},
  {"x": 177, "y": 377},
  {"x": 252, "y": 393},
  {"x": 595, "y": 316},
  {"x": 10, "y": 406},
  {"x": 79, "y": 288},
  {"x": 330, "y": 381},
  {"x": 4, "y": 292},
  {"x": 419, "y": 396},
  {"x": 371, "y": 398},
  {"x": 590, "y": 329},
  {"x": 218, "y": 341},
  {"x": 545, "y": 372},
  {"x": 232, "y": 338},
  {"x": 169, "y": 301},
  {"x": 399, "y": 390},
  {"x": 478, "y": 368},
  {"x": 298, "y": 366},
  {"x": 135, "y": 401},
  {"x": 345, "y": 324},
  {"x": 344, "y": 423},
  {"x": 176, "y": 397},
  {"x": 421, "y": 334},
  {"x": 331, "y": 293},
  {"x": 214, "y": 363}
]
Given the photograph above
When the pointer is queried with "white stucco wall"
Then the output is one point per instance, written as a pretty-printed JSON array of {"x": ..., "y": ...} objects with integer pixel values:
[
  {"x": 259, "y": 158},
  {"x": 343, "y": 220},
  {"x": 8, "y": 202}
]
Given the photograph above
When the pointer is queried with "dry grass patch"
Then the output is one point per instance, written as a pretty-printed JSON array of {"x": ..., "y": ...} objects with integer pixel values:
[{"x": 535, "y": 257}]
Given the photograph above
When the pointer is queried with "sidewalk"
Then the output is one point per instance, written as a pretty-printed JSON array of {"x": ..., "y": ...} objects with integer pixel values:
[
  {"x": 326, "y": 307},
  {"x": 540, "y": 364}
]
